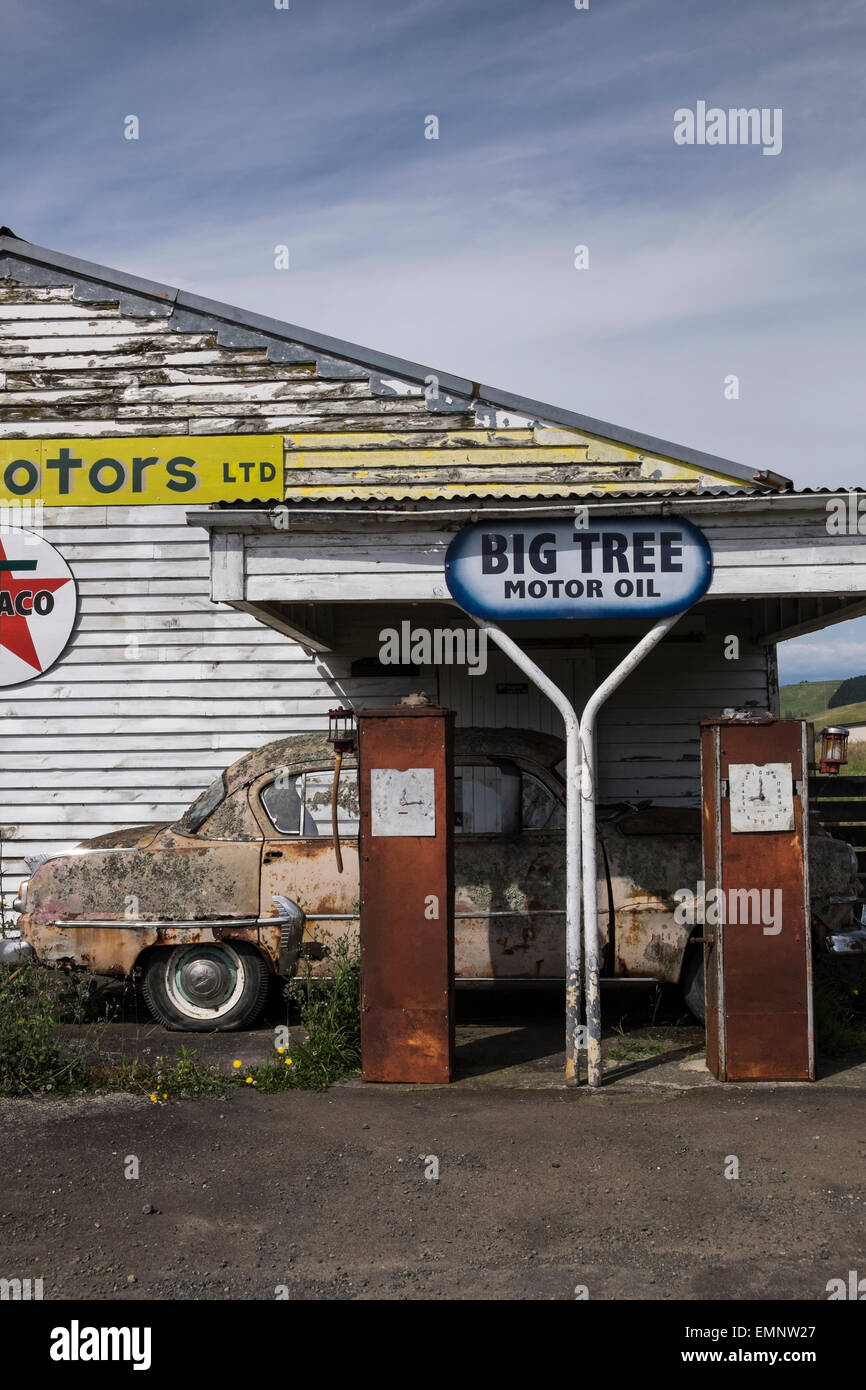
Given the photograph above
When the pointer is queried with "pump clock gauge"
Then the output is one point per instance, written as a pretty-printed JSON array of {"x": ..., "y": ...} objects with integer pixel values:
[{"x": 761, "y": 797}]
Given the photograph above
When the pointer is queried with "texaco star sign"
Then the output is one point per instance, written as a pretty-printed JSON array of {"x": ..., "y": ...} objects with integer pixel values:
[{"x": 38, "y": 603}]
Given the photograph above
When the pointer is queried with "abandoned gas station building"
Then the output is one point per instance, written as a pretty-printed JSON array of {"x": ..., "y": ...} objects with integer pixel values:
[{"x": 245, "y": 506}]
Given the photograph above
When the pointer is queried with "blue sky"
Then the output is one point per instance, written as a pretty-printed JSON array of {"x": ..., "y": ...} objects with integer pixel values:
[{"x": 305, "y": 127}]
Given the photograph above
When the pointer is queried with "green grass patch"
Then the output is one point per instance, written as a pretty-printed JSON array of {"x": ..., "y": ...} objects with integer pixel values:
[
  {"x": 856, "y": 764},
  {"x": 34, "y": 1000},
  {"x": 843, "y": 714},
  {"x": 161, "y": 1080},
  {"x": 630, "y": 1047},
  {"x": 330, "y": 1012}
]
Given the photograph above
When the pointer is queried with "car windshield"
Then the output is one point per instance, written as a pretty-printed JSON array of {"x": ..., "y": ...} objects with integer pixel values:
[{"x": 204, "y": 805}]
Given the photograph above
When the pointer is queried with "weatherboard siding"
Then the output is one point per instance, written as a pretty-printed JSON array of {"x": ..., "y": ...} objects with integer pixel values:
[
  {"x": 154, "y": 694},
  {"x": 376, "y": 562}
]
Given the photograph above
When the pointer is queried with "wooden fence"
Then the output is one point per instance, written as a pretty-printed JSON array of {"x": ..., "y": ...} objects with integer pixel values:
[{"x": 839, "y": 803}]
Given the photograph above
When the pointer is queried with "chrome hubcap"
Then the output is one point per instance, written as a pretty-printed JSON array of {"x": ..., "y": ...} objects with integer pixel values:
[{"x": 205, "y": 979}]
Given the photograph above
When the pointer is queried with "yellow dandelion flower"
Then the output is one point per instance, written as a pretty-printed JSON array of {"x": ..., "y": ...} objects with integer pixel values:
[
  {"x": 249, "y": 1080},
  {"x": 153, "y": 1098},
  {"x": 288, "y": 1061},
  {"x": 236, "y": 1065},
  {"x": 281, "y": 1050}
]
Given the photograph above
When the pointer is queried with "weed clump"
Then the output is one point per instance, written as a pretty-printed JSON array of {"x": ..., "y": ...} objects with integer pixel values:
[{"x": 32, "y": 1002}]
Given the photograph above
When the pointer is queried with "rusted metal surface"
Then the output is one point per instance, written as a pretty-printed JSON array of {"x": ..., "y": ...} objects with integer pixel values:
[
  {"x": 645, "y": 870},
  {"x": 759, "y": 983},
  {"x": 114, "y": 950},
  {"x": 305, "y": 870},
  {"x": 173, "y": 878},
  {"x": 104, "y": 950},
  {"x": 407, "y": 905},
  {"x": 516, "y": 884}
]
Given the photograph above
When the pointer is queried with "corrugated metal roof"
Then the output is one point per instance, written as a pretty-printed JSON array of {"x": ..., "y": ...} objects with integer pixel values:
[
  {"x": 646, "y": 494},
  {"x": 307, "y": 499},
  {"x": 453, "y": 492},
  {"x": 488, "y": 501}
]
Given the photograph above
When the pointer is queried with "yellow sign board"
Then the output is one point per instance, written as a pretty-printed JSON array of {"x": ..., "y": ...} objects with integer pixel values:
[{"x": 151, "y": 471}]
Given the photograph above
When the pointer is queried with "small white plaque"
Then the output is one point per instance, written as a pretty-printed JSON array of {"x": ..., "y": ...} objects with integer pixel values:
[
  {"x": 402, "y": 803},
  {"x": 761, "y": 796}
]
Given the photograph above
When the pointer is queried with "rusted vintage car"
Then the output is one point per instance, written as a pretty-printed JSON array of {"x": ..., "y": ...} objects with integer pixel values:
[{"x": 208, "y": 910}]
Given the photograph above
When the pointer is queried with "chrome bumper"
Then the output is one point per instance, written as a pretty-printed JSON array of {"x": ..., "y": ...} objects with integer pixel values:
[{"x": 16, "y": 952}]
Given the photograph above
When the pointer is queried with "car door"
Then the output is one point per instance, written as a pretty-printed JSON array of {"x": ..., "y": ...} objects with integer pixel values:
[
  {"x": 298, "y": 859},
  {"x": 509, "y": 866}
]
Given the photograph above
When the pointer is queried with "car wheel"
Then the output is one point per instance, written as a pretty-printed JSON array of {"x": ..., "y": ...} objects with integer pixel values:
[
  {"x": 692, "y": 981},
  {"x": 198, "y": 989}
]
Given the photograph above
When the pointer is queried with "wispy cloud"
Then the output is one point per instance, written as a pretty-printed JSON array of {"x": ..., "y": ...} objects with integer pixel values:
[{"x": 827, "y": 655}]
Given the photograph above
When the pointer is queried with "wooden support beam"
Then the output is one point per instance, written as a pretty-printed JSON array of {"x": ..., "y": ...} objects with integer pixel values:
[
  {"x": 292, "y": 620},
  {"x": 227, "y": 567},
  {"x": 822, "y": 617}
]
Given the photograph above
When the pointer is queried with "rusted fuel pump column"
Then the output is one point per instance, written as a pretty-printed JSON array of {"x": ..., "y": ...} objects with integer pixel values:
[
  {"x": 406, "y": 776},
  {"x": 757, "y": 942}
]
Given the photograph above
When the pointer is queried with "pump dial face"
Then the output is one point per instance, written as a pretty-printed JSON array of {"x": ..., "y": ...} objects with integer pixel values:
[
  {"x": 402, "y": 803},
  {"x": 761, "y": 796}
]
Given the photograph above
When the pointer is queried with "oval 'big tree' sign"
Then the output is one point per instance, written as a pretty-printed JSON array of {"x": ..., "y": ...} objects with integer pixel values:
[{"x": 616, "y": 567}]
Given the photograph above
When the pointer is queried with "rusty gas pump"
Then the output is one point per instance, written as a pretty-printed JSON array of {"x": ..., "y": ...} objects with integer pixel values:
[
  {"x": 757, "y": 932},
  {"x": 405, "y": 782}
]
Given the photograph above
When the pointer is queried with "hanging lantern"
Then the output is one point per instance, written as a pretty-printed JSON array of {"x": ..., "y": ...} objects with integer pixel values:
[
  {"x": 834, "y": 749},
  {"x": 341, "y": 729},
  {"x": 341, "y": 733}
]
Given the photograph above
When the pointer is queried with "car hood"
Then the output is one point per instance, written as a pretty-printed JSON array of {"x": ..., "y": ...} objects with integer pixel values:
[{"x": 131, "y": 837}]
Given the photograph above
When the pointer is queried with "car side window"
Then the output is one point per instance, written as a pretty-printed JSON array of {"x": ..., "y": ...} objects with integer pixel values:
[
  {"x": 300, "y": 804},
  {"x": 487, "y": 799},
  {"x": 539, "y": 808},
  {"x": 503, "y": 800},
  {"x": 282, "y": 802}
]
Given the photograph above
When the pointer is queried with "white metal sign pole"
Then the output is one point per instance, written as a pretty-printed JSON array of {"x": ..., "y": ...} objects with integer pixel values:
[
  {"x": 573, "y": 973},
  {"x": 588, "y": 847}
]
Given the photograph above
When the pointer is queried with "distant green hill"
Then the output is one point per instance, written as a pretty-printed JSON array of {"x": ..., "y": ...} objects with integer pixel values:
[
  {"x": 808, "y": 698},
  {"x": 843, "y": 714},
  {"x": 850, "y": 692}
]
